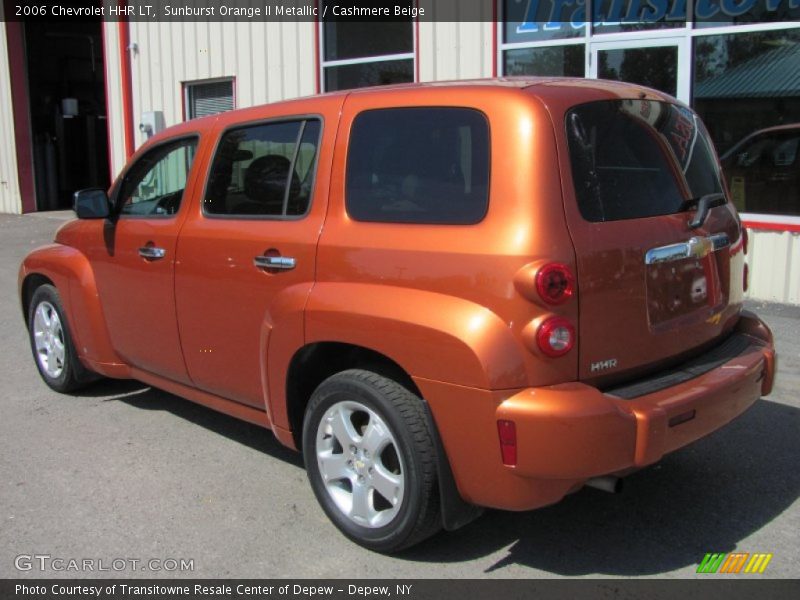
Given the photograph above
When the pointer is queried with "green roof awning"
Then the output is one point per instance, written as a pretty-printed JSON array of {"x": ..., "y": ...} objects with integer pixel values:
[{"x": 773, "y": 74}]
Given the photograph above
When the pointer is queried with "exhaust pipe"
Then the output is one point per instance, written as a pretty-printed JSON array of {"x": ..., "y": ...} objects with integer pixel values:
[{"x": 606, "y": 483}]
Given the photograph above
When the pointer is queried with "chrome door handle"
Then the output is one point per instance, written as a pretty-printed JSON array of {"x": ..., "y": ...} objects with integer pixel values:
[
  {"x": 697, "y": 247},
  {"x": 151, "y": 252},
  {"x": 275, "y": 262}
]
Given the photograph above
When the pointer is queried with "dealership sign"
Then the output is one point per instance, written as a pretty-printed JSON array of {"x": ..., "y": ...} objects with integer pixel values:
[{"x": 540, "y": 16}]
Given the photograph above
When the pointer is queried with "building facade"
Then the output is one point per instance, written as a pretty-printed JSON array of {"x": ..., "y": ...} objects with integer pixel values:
[{"x": 736, "y": 62}]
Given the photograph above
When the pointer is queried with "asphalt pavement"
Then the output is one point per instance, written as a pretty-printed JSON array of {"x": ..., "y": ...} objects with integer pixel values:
[{"x": 132, "y": 478}]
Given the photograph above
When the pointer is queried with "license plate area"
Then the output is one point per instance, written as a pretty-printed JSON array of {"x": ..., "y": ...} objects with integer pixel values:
[
  {"x": 678, "y": 288},
  {"x": 685, "y": 278}
]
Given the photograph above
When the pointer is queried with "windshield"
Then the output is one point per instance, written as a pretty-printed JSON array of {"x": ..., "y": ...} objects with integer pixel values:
[{"x": 638, "y": 158}]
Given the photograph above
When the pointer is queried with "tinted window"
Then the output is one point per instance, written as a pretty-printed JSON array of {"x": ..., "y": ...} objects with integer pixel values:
[
  {"x": 385, "y": 72},
  {"x": 557, "y": 61},
  {"x": 419, "y": 165},
  {"x": 638, "y": 158},
  {"x": 154, "y": 184},
  {"x": 764, "y": 172},
  {"x": 745, "y": 84},
  {"x": 653, "y": 67},
  {"x": 266, "y": 169},
  {"x": 347, "y": 39}
]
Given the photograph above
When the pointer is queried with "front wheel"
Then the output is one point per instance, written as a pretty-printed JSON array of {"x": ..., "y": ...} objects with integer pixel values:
[
  {"x": 53, "y": 350},
  {"x": 371, "y": 460}
]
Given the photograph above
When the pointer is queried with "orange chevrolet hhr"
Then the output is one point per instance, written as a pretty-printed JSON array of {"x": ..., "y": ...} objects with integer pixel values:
[{"x": 447, "y": 296}]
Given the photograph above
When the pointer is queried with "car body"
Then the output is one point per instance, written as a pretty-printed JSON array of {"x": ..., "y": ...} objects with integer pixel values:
[
  {"x": 450, "y": 296},
  {"x": 762, "y": 170}
]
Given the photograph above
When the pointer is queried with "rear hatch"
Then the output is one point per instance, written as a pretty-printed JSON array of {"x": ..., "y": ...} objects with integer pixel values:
[{"x": 654, "y": 288}]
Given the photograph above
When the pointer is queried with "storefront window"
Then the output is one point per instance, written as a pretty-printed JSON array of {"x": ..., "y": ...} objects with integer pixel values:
[
  {"x": 742, "y": 81},
  {"x": 532, "y": 21},
  {"x": 616, "y": 16},
  {"x": 747, "y": 93},
  {"x": 653, "y": 67},
  {"x": 555, "y": 61},
  {"x": 719, "y": 13}
]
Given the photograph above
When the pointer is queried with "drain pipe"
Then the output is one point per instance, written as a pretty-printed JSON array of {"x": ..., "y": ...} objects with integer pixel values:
[
  {"x": 124, "y": 36},
  {"x": 606, "y": 483}
]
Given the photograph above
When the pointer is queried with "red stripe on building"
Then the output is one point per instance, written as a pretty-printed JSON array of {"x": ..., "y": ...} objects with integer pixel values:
[
  {"x": 15, "y": 42},
  {"x": 127, "y": 82},
  {"x": 792, "y": 227},
  {"x": 317, "y": 50}
]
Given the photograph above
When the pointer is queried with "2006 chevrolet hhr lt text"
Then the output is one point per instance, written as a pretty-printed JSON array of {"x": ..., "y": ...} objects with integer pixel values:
[{"x": 448, "y": 296}]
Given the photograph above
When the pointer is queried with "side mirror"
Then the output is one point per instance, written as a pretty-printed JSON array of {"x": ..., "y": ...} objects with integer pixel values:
[{"x": 92, "y": 203}]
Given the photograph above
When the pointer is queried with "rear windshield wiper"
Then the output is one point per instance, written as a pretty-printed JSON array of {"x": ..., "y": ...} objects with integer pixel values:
[{"x": 704, "y": 204}]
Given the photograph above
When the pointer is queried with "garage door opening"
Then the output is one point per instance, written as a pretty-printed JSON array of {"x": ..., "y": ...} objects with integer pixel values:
[{"x": 67, "y": 107}]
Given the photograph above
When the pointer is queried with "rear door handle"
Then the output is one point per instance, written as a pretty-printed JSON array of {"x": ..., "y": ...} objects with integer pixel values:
[
  {"x": 285, "y": 263},
  {"x": 151, "y": 252},
  {"x": 697, "y": 247}
]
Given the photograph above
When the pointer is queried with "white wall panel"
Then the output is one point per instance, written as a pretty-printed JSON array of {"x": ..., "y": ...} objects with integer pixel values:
[
  {"x": 10, "y": 199},
  {"x": 774, "y": 261},
  {"x": 455, "y": 50},
  {"x": 269, "y": 61}
]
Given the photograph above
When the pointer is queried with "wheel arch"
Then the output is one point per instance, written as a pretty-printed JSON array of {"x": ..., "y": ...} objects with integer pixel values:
[
  {"x": 423, "y": 334},
  {"x": 315, "y": 362},
  {"x": 69, "y": 271},
  {"x": 28, "y": 288}
]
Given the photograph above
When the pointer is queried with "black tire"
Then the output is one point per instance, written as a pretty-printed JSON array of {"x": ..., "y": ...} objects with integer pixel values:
[
  {"x": 68, "y": 374},
  {"x": 409, "y": 457}
]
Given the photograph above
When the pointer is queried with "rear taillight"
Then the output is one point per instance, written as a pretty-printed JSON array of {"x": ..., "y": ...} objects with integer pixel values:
[
  {"x": 508, "y": 442},
  {"x": 745, "y": 277},
  {"x": 555, "y": 283},
  {"x": 555, "y": 337}
]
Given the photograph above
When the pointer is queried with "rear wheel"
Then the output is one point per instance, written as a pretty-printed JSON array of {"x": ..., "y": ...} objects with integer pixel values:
[
  {"x": 51, "y": 342},
  {"x": 371, "y": 460}
]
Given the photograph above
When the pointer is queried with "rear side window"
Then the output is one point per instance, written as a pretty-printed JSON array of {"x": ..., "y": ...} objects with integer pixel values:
[
  {"x": 638, "y": 158},
  {"x": 264, "y": 170},
  {"x": 419, "y": 165}
]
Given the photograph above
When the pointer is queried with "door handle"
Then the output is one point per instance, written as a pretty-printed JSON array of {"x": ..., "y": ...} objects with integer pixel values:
[
  {"x": 151, "y": 252},
  {"x": 275, "y": 262},
  {"x": 697, "y": 247}
]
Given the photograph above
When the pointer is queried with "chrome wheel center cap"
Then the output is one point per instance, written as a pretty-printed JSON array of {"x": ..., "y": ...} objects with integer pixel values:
[{"x": 360, "y": 466}]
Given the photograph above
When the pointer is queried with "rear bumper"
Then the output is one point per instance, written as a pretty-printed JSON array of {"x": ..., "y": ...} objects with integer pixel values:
[{"x": 569, "y": 433}]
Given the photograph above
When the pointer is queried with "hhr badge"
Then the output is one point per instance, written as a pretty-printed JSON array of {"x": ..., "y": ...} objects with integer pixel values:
[{"x": 603, "y": 365}]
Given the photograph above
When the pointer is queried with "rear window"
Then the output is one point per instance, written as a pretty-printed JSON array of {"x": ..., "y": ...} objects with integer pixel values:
[
  {"x": 638, "y": 158},
  {"x": 418, "y": 165}
]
